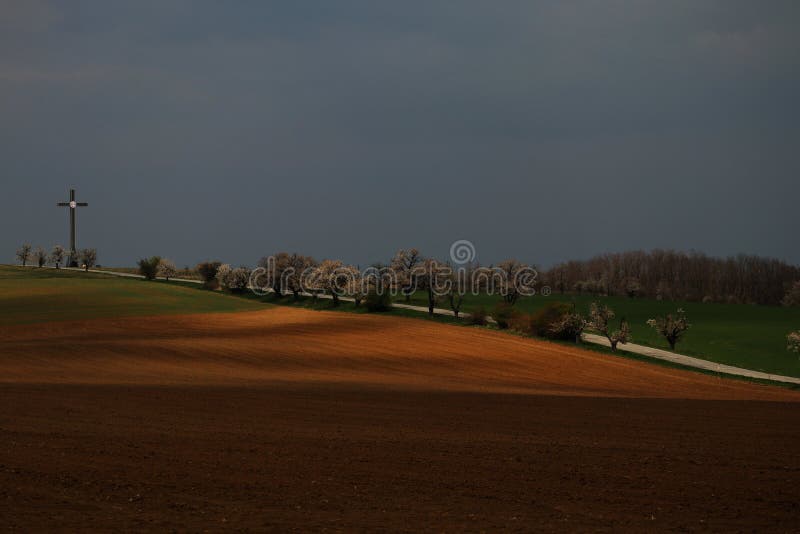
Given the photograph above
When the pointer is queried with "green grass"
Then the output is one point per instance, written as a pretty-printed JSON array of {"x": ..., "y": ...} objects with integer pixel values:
[
  {"x": 31, "y": 295},
  {"x": 749, "y": 336}
]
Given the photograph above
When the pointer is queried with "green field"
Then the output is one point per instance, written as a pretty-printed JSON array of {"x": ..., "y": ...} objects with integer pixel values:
[
  {"x": 749, "y": 336},
  {"x": 32, "y": 295}
]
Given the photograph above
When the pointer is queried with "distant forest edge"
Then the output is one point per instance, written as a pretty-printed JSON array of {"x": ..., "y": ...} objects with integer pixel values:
[
  {"x": 659, "y": 274},
  {"x": 685, "y": 276}
]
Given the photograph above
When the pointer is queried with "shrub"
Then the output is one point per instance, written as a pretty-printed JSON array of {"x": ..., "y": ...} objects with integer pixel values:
[
  {"x": 148, "y": 267},
  {"x": 479, "y": 317},
  {"x": 378, "y": 301},
  {"x": 520, "y": 322},
  {"x": 541, "y": 320},
  {"x": 208, "y": 273},
  {"x": 503, "y": 314}
]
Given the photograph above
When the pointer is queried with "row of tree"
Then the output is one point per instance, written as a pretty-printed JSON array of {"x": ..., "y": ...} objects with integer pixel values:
[
  {"x": 660, "y": 274},
  {"x": 559, "y": 320},
  {"x": 672, "y": 275},
  {"x": 86, "y": 257}
]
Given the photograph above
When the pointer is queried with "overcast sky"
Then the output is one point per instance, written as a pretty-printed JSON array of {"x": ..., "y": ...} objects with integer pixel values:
[{"x": 538, "y": 130}]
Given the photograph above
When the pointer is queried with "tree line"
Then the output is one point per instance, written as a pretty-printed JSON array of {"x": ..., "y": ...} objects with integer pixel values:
[
  {"x": 673, "y": 275},
  {"x": 86, "y": 257}
]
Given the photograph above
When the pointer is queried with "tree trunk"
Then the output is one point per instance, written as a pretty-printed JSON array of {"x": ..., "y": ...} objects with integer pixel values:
[
  {"x": 614, "y": 346},
  {"x": 431, "y": 301},
  {"x": 335, "y": 299}
]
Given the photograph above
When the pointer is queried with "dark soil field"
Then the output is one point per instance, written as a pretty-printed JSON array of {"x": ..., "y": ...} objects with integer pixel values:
[{"x": 288, "y": 419}]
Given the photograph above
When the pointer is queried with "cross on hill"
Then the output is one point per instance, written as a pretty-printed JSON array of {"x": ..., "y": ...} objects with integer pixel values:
[{"x": 73, "y": 252}]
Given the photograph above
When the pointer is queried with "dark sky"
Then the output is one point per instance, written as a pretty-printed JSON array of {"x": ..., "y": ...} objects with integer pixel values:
[{"x": 539, "y": 130}]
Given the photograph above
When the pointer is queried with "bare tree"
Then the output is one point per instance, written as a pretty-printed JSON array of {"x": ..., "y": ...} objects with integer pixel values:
[
  {"x": 167, "y": 269},
  {"x": 24, "y": 253},
  {"x": 672, "y": 327},
  {"x": 460, "y": 281},
  {"x": 405, "y": 263},
  {"x": 519, "y": 279},
  {"x": 40, "y": 256},
  {"x": 57, "y": 256},
  {"x": 88, "y": 257},
  {"x": 430, "y": 276},
  {"x": 633, "y": 288},
  {"x": 600, "y": 316}
]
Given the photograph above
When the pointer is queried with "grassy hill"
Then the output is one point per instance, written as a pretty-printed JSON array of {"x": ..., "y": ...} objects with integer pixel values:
[
  {"x": 32, "y": 295},
  {"x": 749, "y": 336}
]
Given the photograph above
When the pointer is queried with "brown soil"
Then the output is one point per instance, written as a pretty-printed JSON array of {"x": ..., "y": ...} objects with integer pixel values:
[{"x": 288, "y": 419}]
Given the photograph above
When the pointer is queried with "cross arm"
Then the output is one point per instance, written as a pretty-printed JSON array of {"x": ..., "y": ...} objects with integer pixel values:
[
  {"x": 82, "y": 204},
  {"x": 63, "y": 204}
]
